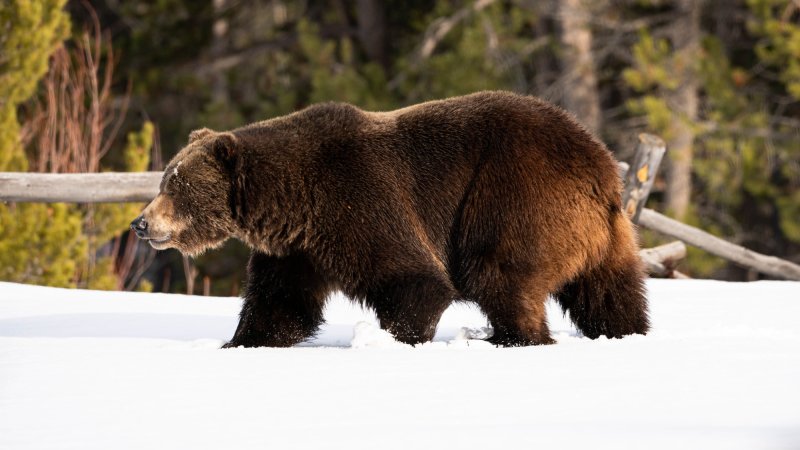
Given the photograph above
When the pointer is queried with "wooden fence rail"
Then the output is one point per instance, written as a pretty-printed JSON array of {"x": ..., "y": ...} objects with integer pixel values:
[
  {"x": 110, "y": 187},
  {"x": 115, "y": 187}
]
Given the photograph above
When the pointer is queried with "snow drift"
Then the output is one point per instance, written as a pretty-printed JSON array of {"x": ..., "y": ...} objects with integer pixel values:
[{"x": 100, "y": 370}]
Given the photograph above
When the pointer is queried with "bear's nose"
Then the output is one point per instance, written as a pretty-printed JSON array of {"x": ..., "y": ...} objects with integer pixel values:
[{"x": 139, "y": 226}]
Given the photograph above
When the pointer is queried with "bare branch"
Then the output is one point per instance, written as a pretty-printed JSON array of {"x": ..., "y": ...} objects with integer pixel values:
[{"x": 435, "y": 33}]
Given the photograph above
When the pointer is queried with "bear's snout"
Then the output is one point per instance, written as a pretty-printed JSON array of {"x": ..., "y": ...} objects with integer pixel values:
[{"x": 139, "y": 226}]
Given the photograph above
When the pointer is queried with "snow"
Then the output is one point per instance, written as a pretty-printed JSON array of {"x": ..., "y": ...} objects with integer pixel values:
[{"x": 103, "y": 370}]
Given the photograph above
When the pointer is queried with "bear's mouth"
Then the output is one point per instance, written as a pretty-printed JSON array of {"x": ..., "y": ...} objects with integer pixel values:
[{"x": 157, "y": 242}]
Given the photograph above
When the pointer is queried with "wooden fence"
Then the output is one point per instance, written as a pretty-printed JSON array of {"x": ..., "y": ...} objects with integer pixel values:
[{"x": 142, "y": 187}]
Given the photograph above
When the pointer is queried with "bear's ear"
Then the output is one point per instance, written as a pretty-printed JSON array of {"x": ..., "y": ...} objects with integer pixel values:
[
  {"x": 200, "y": 134},
  {"x": 224, "y": 146}
]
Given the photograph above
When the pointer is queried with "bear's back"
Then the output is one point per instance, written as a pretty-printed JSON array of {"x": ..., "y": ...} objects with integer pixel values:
[{"x": 523, "y": 137}]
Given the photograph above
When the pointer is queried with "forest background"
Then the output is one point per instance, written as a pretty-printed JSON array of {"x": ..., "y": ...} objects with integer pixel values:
[{"x": 88, "y": 86}]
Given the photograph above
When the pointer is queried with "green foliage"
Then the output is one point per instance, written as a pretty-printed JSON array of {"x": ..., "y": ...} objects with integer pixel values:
[
  {"x": 331, "y": 69},
  {"x": 655, "y": 110},
  {"x": 654, "y": 74},
  {"x": 12, "y": 157},
  {"x": 145, "y": 286},
  {"x": 727, "y": 154},
  {"x": 789, "y": 207},
  {"x": 777, "y": 179},
  {"x": 137, "y": 150},
  {"x": 737, "y": 162},
  {"x": 100, "y": 275},
  {"x": 651, "y": 61},
  {"x": 464, "y": 62},
  {"x": 40, "y": 244},
  {"x": 32, "y": 30},
  {"x": 162, "y": 31},
  {"x": 776, "y": 20},
  {"x": 220, "y": 115}
]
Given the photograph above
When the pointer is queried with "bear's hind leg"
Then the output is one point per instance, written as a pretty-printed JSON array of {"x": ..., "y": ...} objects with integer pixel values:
[
  {"x": 513, "y": 297},
  {"x": 410, "y": 306},
  {"x": 283, "y": 302},
  {"x": 607, "y": 301},
  {"x": 609, "y": 298},
  {"x": 517, "y": 318}
]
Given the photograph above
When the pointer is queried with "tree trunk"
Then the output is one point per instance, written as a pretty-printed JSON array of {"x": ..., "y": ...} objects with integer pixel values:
[
  {"x": 543, "y": 77},
  {"x": 579, "y": 93},
  {"x": 219, "y": 47},
  {"x": 372, "y": 30},
  {"x": 685, "y": 36}
]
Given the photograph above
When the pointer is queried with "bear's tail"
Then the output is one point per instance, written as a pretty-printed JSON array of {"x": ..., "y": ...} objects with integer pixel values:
[{"x": 609, "y": 298}]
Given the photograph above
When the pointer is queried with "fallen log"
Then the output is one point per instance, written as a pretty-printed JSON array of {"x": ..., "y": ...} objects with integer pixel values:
[
  {"x": 662, "y": 260},
  {"x": 737, "y": 254}
]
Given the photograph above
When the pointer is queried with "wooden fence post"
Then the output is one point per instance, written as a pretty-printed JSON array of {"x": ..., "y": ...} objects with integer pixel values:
[{"x": 641, "y": 174}]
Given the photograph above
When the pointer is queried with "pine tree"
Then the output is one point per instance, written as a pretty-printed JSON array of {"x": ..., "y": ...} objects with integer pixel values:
[
  {"x": 776, "y": 22},
  {"x": 664, "y": 71},
  {"x": 582, "y": 97},
  {"x": 39, "y": 244},
  {"x": 32, "y": 30}
]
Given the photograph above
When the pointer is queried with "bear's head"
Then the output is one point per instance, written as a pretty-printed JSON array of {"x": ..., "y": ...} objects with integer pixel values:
[{"x": 193, "y": 210}]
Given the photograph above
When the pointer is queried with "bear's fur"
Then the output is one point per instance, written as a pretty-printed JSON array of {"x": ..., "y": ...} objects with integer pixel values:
[{"x": 495, "y": 198}]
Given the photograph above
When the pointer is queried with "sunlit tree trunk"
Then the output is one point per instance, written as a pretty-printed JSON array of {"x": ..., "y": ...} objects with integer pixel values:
[
  {"x": 579, "y": 94},
  {"x": 684, "y": 33}
]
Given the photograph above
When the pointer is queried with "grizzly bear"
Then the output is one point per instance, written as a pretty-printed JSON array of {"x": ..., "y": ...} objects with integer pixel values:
[{"x": 493, "y": 198}]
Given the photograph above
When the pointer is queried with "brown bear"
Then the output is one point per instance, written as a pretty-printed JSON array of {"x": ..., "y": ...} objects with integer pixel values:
[{"x": 494, "y": 198}]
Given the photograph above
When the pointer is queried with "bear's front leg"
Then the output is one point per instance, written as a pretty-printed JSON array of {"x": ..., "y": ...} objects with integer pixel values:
[
  {"x": 283, "y": 302},
  {"x": 410, "y": 306}
]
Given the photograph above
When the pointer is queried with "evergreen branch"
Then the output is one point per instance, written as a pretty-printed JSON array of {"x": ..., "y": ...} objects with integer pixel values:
[{"x": 435, "y": 33}]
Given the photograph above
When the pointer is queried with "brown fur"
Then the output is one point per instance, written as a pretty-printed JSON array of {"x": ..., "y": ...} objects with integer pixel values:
[{"x": 494, "y": 198}]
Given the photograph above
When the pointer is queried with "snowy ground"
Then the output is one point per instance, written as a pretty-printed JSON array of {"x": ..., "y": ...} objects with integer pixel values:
[{"x": 95, "y": 370}]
